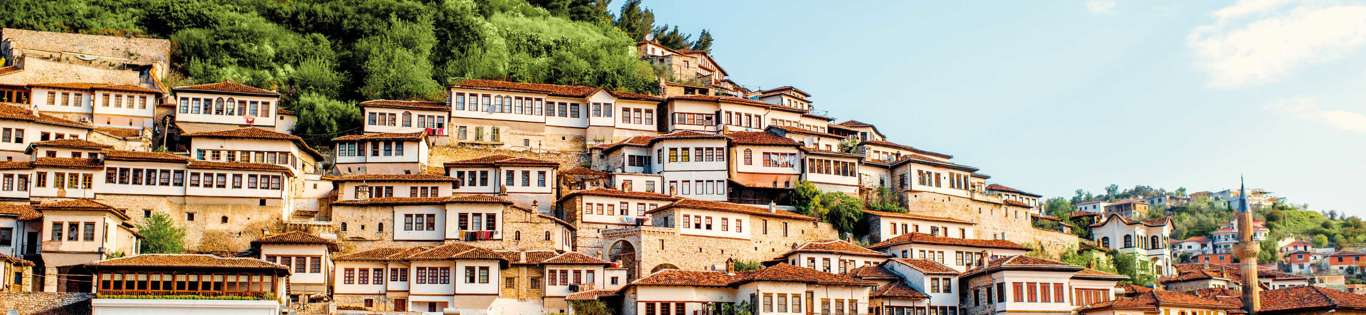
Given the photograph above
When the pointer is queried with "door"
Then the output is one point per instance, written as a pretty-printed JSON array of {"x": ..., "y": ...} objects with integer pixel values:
[
  {"x": 400, "y": 305},
  {"x": 431, "y": 307},
  {"x": 31, "y": 243}
]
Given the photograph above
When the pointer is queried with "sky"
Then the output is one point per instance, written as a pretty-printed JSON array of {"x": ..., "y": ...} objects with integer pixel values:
[{"x": 1055, "y": 96}]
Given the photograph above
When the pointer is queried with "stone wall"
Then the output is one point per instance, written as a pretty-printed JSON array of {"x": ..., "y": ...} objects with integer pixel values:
[
  {"x": 522, "y": 230},
  {"x": 661, "y": 247},
  {"x": 245, "y": 217},
  {"x": 993, "y": 220}
]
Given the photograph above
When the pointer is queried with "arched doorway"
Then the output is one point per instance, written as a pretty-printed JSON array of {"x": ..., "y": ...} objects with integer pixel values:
[
  {"x": 663, "y": 267},
  {"x": 624, "y": 252}
]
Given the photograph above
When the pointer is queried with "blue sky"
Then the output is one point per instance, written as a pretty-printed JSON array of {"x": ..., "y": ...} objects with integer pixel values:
[{"x": 1052, "y": 96}]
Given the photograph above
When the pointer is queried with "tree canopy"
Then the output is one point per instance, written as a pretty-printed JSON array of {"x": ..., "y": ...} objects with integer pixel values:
[{"x": 160, "y": 235}]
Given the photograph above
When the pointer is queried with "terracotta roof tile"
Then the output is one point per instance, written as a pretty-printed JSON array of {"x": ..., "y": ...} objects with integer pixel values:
[
  {"x": 836, "y": 247},
  {"x": 381, "y": 254},
  {"x": 71, "y": 144},
  {"x": 785, "y": 88},
  {"x": 683, "y": 278},
  {"x": 297, "y": 237},
  {"x": 190, "y": 261},
  {"x": 227, "y": 87},
  {"x": 530, "y": 257},
  {"x": 926, "y": 266},
  {"x": 921, "y": 238},
  {"x": 502, "y": 160},
  {"x": 1021, "y": 262},
  {"x": 897, "y": 289},
  {"x": 589, "y": 295},
  {"x": 15, "y": 260},
  {"x": 582, "y": 171},
  {"x": 735, "y": 100},
  {"x": 542, "y": 88},
  {"x": 1304, "y": 299},
  {"x": 792, "y": 129},
  {"x": 636, "y": 141},
  {"x": 408, "y": 104},
  {"x": 760, "y": 138},
  {"x": 784, "y": 272},
  {"x": 237, "y": 166},
  {"x": 1127, "y": 221},
  {"x": 392, "y": 178},
  {"x": 20, "y": 112},
  {"x": 999, "y": 187},
  {"x": 464, "y": 198},
  {"x": 16, "y": 165},
  {"x": 907, "y": 148},
  {"x": 872, "y": 272},
  {"x": 120, "y": 155},
  {"x": 414, "y": 136},
  {"x": 456, "y": 251},
  {"x": 574, "y": 258},
  {"x": 732, "y": 208},
  {"x": 124, "y": 133},
  {"x": 79, "y": 205},
  {"x": 255, "y": 133},
  {"x": 620, "y": 194},
  {"x": 1089, "y": 273},
  {"x": 1152, "y": 300},
  {"x": 914, "y": 216},
  {"x": 22, "y": 212},
  {"x": 81, "y": 163},
  {"x": 636, "y": 96}
]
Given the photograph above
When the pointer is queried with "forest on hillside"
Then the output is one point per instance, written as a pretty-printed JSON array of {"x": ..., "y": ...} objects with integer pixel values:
[
  {"x": 1204, "y": 215},
  {"x": 324, "y": 56}
]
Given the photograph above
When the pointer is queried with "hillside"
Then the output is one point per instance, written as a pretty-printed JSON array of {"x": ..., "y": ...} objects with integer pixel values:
[{"x": 326, "y": 55}]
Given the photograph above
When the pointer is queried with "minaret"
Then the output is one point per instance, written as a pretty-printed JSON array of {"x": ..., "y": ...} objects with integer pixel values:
[{"x": 1247, "y": 252}]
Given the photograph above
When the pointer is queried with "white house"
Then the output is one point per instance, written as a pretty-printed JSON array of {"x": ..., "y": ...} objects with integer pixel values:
[
  {"x": 957, "y": 253},
  {"x": 693, "y": 164},
  {"x": 1146, "y": 238},
  {"x": 228, "y": 105},
  {"x": 155, "y": 283},
  {"x": 382, "y": 153},
  {"x": 308, "y": 257},
  {"x": 527, "y": 182},
  {"x": 833, "y": 256},
  {"x": 20, "y": 127}
]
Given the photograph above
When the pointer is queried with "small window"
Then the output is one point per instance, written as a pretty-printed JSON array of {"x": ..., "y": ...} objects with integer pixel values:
[{"x": 189, "y": 216}]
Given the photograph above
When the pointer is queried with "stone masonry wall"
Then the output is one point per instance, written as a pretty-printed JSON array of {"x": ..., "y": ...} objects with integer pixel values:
[
  {"x": 993, "y": 220},
  {"x": 662, "y": 246}
]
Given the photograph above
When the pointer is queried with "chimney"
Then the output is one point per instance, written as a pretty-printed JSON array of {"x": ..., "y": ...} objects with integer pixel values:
[{"x": 730, "y": 266}]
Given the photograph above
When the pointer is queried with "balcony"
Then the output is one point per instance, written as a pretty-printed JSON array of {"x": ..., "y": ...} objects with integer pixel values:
[{"x": 478, "y": 235}]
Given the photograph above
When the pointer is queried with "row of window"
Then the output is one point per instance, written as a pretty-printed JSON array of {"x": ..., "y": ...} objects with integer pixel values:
[
  {"x": 224, "y": 107},
  {"x": 831, "y": 167},
  {"x": 510, "y": 178},
  {"x": 159, "y": 283},
  {"x": 419, "y": 222},
  {"x": 266, "y": 157},
  {"x": 775, "y": 159},
  {"x": 697, "y": 187},
  {"x": 462, "y": 134},
  {"x": 471, "y": 178},
  {"x": 698, "y": 222},
  {"x": 11, "y": 135},
  {"x": 366, "y": 192},
  {"x": 477, "y": 221},
  {"x": 638, "y": 116},
  {"x": 559, "y": 277},
  {"x": 941, "y": 284},
  {"x": 626, "y": 185},
  {"x": 1021, "y": 292},
  {"x": 144, "y": 176},
  {"x": 747, "y": 120},
  {"x": 15, "y": 182},
  {"x": 118, "y": 99},
  {"x": 782, "y": 302},
  {"x": 695, "y": 154},
  {"x": 68, "y": 99},
  {"x": 694, "y": 119},
  {"x": 71, "y": 180},
  {"x": 75, "y": 231},
  {"x": 220, "y": 180},
  {"x": 363, "y": 275},
  {"x": 299, "y": 264},
  {"x": 515, "y": 105},
  {"x": 601, "y": 109},
  {"x": 637, "y": 160},
  {"x": 377, "y": 148},
  {"x": 590, "y": 208},
  {"x": 664, "y": 308}
]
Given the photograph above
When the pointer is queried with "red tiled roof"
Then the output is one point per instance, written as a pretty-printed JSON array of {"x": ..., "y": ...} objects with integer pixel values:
[
  {"x": 120, "y": 155},
  {"x": 190, "y": 261},
  {"x": 392, "y": 178},
  {"x": 1088, "y": 273},
  {"x": 1021, "y": 262},
  {"x": 926, "y": 266},
  {"x": 999, "y": 187},
  {"x": 227, "y": 87},
  {"x": 760, "y": 138},
  {"x": 637, "y": 141},
  {"x": 15, "y": 165},
  {"x": 784, "y": 272},
  {"x": 619, "y": 194},
  {"x": 872, "y": 272},
  {"x": 408, "y": 104},
  {"x": 80, "y": 163},
  {"x": 413, "y": 136},
  {"x": 237, "y": 166},
  {"x": 15, "y": 260},
  {"x": 731, "y": 207},
  {"x": 836, "y": 247},
  {"x": 530, "y": 257},
  {"x": 466, "y": 198},
  {"x": 456, "y": 251},
  {"x": 589, "y": 295},
  {"x": 543, "y": 88},
  {"x": 256, "y": 133},
  {"x": 681, "y": 278},
  {"x": 897, "y": 289},
  {"x": 1016, "y": 203},
  {"x": 123, "y": 133},
  {"x": 297, "y": 237},
  {"x": 792, "y": 129},
  {"x": 381, "y": 254},
  {"x": 1123, "y": 219},
  {"x": 22, "y": 212},
  {"x": 785, "y": 88},
  {"x": 582, "y": 171},
  {"x": 735, "y": 100},
  {"x": 921, "y": 238},
  {"x": 914, "y": 216},
  {"x": 20, "y": 112},
  {"x": 79, "y": 205},
  {"x": 573, "y": 258},
  {"x": 96, "y": 86},
  {"x": 906, "y": 147},
  {"x": 1311, "y": 298},
  {"x": 71, "y": 144},
  {"x": 502, "y": 160},
  {"x": 1152, "y": 300}
]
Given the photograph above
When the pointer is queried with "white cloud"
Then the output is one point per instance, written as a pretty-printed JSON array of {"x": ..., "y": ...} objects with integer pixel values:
[
  {"x": 1260, "y": 41},
  {"x": 1309, "y": 109},
  {"x": 1100, "y": 6}
]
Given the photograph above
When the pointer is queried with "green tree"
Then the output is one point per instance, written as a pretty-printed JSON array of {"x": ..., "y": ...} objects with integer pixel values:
[
  {"x": 1320, "y": 240},
  {"x": 1270, "y": 253},
  {"x": 1111, "y": 192},
  {"x": 590, "y": 307},
  {"x": 885, "y": 200},
  {"x": 396, "y": 63},
  {"x": 1129, "y": 265},
  {"x": 843, "y": 211},
  {"x": 672, "y": 37},
  {"x": 746, "y": 265},
  {"x": 703, "y": 41},
  {"x": 161, "y": 235},
  {"x": 635, "y": 20},
  {"x": 321, "y": 118},
  {"x": 807, "y": 199}
]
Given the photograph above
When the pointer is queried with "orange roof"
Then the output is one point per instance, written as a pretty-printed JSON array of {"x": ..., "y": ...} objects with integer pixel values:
[
  {"x": 914, "y": 216},
  {"x": 20, "y": 112},
  {"x": 999, "y": 187},
  {"x": 80, "y": 163},
  {"x": 15, "y": 165},
  {"x": 873, "y": 272},
  {"x": 732, "y": 208},
  {"x": 464, "y": 198},
  {"x": 22, "y": 212},
  {"x": 1021, "y": 262},
  {"x": 635, "y": 96},
  {"x": 793, "y": 129},
  {"x": 620, "y": 194},
  {"x": 784, "y": 272},
  {"x": 227, "y": 87},
  {"x": 1311, "y": 298},
  {"x": 922, "y": 238},
  {"x": 456, "y": 251},
  {"x": 542, "y": 88},
  {"x": 71, "y": 144},
  {"x": 120, "y": 155},
  {"x": 573, "y": 258},
  {"x": 906, "y": 147},
  {"x": 408, "y": 104},
  {"x": 297, "y": 237},
  {"x": 673, "y": 277},
  {"x": 1153, "y": 300},
  {"x": 381, "y": 254},
  {"x": 79, "y": 205},
  {"x": 190, "y": 261},
  {"x": 237, "y": 166},
  {"x": 897, "y": 289},
  {"x": 836, "y": 247},
  {"x": 119, "y": 132},
  {"x": 926, "y": 266},
  {"x": 412, "y": 136},
  {"x": 96, "y": 86},
  {"x": 392, "y": 178},
  {"x": 256, "y": 133},
  {"x": 502, "y": 160},
  {"x": 760, "y": 138}
]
